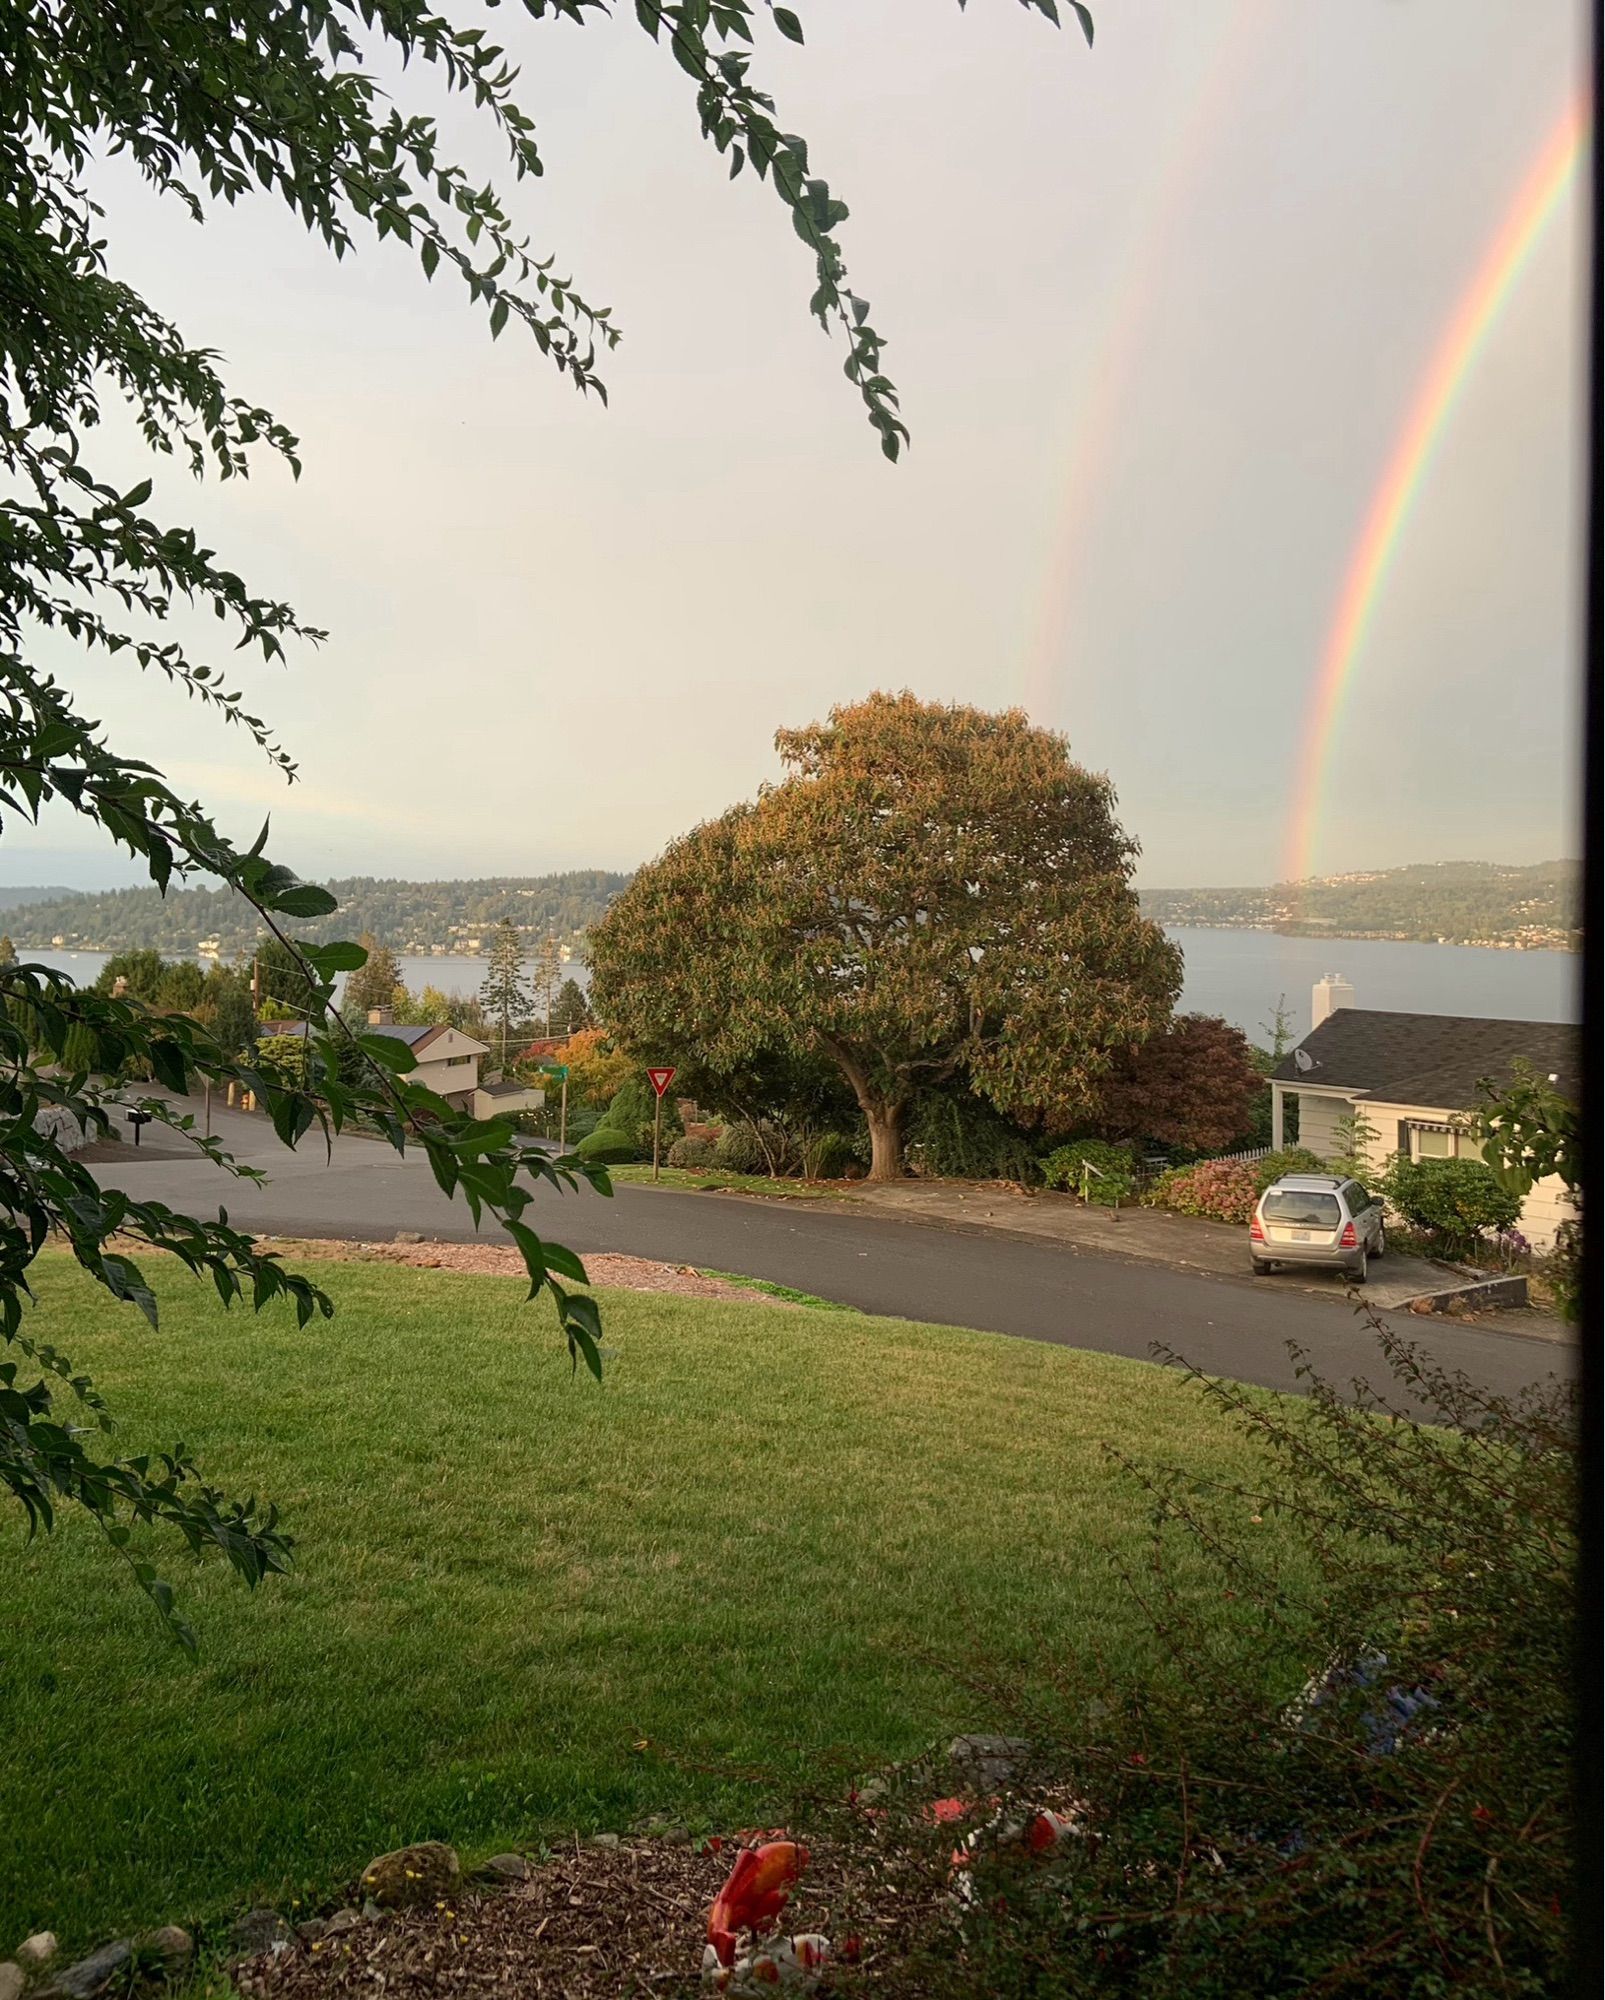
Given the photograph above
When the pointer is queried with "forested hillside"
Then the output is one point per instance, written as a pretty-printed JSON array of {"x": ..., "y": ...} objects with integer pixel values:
[
  {"x": 1449, "y": 902},
  {"x": 407, "y": 916}
]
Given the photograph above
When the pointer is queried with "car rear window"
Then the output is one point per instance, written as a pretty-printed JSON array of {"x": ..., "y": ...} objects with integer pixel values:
[{"x": 1304, "y": 1211}]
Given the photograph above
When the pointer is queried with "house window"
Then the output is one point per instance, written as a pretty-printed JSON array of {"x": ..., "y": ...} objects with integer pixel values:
[
  {"x": 455, "y": 1062},
  {"x": 1442, "y": 1142}
]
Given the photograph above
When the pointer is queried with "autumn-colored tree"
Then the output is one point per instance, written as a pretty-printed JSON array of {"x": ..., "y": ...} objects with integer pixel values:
[
  {"x": 1194, "y": 1087},
  {"x": 373, "y": 984},
  {"x": 931, "y": 890},
  {"x": 597, "y": 1068}
]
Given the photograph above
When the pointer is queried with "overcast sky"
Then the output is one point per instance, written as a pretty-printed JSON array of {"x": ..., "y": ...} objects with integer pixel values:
[{"x": 1157, "y": 312}]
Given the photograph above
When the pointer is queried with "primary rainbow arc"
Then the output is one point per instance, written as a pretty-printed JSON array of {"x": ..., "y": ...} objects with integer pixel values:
[{"x": 1446, "y": 375}]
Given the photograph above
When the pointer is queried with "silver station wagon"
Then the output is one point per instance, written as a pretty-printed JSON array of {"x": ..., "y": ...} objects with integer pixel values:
[{"x": 1322, "y": 1219}]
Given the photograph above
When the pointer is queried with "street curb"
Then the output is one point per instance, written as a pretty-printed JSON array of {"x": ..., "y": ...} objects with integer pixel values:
[{"x": 1476, "y": 1295}]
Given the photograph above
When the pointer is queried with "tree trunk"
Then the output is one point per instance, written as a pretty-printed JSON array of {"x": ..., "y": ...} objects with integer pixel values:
[{"x": 885, "y": 1141}]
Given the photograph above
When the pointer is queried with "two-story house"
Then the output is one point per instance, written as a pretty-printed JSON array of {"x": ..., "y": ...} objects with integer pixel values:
[{"x": 447, "y": 1061}]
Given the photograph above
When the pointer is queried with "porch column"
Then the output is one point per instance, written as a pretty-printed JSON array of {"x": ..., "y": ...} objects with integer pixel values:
[{"x": 1276, "y": 1117}]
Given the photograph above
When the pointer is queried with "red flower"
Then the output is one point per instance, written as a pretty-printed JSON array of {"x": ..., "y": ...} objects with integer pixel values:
[{"x": 754, "y": 1894}]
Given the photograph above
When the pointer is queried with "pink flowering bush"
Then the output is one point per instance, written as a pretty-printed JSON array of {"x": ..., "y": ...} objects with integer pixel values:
[{"x": 1223, "y": 1190}]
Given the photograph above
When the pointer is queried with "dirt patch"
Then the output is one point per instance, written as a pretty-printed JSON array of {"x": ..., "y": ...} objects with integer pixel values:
[{"x": 501, "y": 1260}]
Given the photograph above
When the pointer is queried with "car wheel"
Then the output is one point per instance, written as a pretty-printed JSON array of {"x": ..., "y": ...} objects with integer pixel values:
[
  {"x": 1358, "y": 1273},
  {"x": 1261, "y": 1268},
  {"x": 1380, "y": 1248}
]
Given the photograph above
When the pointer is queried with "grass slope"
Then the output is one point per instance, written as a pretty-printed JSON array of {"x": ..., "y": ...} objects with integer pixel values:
[{"x": 755, "y": 1546}]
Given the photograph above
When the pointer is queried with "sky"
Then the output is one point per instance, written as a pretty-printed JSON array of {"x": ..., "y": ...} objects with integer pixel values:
[{"x": 1157, "y": 311}]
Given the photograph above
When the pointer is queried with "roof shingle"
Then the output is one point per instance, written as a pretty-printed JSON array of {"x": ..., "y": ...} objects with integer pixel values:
[{"x": 1429, "y": 1059}]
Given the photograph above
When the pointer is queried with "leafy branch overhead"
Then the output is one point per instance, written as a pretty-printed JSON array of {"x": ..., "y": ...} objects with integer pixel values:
[{"x": 209, "y": 105}]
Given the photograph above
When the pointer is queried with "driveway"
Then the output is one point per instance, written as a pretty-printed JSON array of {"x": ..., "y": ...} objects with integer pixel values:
[{"x": 879, "y": 1262}]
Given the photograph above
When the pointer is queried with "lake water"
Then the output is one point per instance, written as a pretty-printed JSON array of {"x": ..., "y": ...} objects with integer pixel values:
[{"x": 1240, "y": 974}]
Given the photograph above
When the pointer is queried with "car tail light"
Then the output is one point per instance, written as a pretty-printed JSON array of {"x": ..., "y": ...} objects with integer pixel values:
[
  {"x": 1348, "y": 1240},
  {"x": 1256, "y": 1230}
]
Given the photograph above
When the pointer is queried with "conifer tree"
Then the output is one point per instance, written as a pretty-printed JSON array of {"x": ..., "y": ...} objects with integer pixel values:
[{"x": 505, "y": 996}]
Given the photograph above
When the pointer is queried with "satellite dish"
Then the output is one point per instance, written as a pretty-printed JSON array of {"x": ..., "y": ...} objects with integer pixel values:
[{"x": 1302, "y": 1059}]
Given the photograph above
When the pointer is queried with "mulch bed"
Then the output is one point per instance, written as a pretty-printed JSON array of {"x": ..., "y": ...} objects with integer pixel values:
[{"x": 591, "y": 1923}]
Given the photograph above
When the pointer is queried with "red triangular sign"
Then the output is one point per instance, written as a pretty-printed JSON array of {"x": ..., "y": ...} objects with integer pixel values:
[{"x": 660, "y": 1079}]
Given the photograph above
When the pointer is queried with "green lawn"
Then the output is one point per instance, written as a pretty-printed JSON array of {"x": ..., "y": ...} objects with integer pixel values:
[{"x": 756, "y": 1543}]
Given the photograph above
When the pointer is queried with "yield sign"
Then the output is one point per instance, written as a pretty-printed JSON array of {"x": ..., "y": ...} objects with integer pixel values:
[{"x": 660, "y": 1079}]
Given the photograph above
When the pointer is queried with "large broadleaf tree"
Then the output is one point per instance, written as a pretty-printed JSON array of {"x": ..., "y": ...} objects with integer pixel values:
[
  {"x": 275, "y": 98},
  {"x": 934, "y": 896}
]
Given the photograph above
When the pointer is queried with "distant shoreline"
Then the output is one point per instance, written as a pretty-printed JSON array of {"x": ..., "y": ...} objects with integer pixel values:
[{"x": 1365, "y": 937}]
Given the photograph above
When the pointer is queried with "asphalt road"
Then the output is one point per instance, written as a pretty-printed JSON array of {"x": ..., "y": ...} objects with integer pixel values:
[{"x": 879, "y": 1263}]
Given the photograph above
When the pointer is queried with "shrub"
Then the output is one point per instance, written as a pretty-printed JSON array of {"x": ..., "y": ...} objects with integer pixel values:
[
  {"x": 608, "y": 1146},
  {"x": 1290, "y": 1160},
  {"x": 1113, "y": 1181},
  {"x": 285, "y": 1059},
  {"x": 1223, "y": 1190},
  {"x": 691, "y": 1153},
  {"x": 1361, "y": 1782},
  {"x": 829, "y": 1157},
  {"x": 1456, "y": 1199},
  {"x": 956, "y": 1135},
  {"x": 740, "y": 1150},
  {"x": 633, "y": 1111}
]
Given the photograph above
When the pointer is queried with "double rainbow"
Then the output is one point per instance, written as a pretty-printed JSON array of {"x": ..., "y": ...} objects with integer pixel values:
[{"x": 1451, "y": 364}]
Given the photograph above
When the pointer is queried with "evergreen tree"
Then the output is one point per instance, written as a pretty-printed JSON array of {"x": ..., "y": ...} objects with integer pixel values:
[
  {"x": 181, "y": 987},
  {"x": 505, "y": 997},
  {"x": 546, "y": 980},
  {"x": 572, "y": 1011},
  {"x": 8, "y": 952}
]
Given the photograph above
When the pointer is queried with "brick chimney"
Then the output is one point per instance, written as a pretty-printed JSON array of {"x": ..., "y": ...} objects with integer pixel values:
[{"x": 381, "y": 1017}]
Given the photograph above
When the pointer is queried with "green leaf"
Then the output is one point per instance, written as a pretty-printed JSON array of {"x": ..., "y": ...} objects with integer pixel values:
[
  {"x": 389, "y": 1052},
  {"x": 788, "y": 24},
  {"x": 306, "y": 899},
  {"x": 328, "y": 959}
]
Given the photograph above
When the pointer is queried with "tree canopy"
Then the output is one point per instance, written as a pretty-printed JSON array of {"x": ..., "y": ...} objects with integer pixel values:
[
  {"x": 1194, "y": 1086},
  {"x": 372, "y": 984},
  {"x": 930, "y": 892},
  {"x": 210, "y": 105}
]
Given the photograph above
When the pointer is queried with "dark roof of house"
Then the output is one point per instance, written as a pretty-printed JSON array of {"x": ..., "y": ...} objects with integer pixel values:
[
  {"x": 1429, "y": 1059},
  {"x": 413, "y": 1037},
  {"x": 505, "y": 1089}
]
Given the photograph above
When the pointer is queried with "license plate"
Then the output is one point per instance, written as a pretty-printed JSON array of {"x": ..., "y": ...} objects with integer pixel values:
[{"x": 1301, "y": 1236}]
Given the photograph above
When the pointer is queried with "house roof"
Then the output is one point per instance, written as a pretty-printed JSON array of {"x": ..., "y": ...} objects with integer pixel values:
[
  {"x": 1428, "y": 1059},
  {"x": 414, "y": 1037},
  {"x": 507, "y": 1089}
]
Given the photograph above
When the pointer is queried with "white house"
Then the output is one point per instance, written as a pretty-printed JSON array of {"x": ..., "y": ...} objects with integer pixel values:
[
  {"x": 1415, "y": 1076},
  {"x": 447, "y": 1062}
]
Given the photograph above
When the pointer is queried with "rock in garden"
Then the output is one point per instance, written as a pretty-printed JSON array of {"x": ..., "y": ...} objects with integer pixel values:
[
  {"x": 37, "y": 1950},
  {"x": 501, "y": 1868},
  {"x": 11, "y": 1980},
  {"x": 94, "y": 1974},
  {"x": 172, "y": 1944},
  {"x": 426, "y": 1873},
  {"x": 604, "y": 1840},
  {"x": 989, "y": 1761},
  {"x": 407, "y": 1236},
  {"x": 259, "y": 1931},
  {"x": 341, "y": 1922}
]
